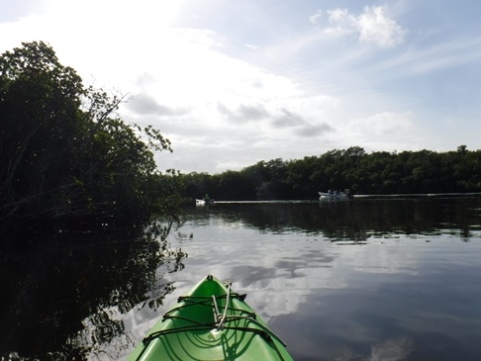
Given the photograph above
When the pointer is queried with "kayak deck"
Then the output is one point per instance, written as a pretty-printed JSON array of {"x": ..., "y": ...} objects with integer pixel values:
[{"x": 211, "y": 323}]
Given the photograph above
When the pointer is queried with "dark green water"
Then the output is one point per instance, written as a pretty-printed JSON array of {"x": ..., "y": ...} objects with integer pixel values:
[{"x": 366, "y": 279}]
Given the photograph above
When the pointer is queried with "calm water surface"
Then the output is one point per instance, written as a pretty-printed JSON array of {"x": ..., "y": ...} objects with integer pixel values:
[{"x": 366, "y": 279}]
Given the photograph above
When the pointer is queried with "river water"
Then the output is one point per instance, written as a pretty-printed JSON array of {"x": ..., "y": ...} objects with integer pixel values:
[{"x": 366, "y": 279}]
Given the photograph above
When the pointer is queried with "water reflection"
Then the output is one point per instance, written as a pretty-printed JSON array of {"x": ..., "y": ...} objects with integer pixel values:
[
  {"x": 358, "y": 219},
  {"x": 65, "y": 299},
  {"x": 358, "y": 280}
]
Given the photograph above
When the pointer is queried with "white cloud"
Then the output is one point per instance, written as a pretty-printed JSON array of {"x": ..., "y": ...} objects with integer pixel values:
[
  {"x": 373, "y": 26},
  {"x": 342, "y": 23},
  {"x": 383, "y": 123},
  {"x": 314, "y": 18}
]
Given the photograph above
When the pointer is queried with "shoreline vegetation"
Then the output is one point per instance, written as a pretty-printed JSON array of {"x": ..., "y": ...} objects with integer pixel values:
[
  {"x": 71, "y": 163},
  {"x": 68, "y": 160},
  {"x": 378, "y": 173}
]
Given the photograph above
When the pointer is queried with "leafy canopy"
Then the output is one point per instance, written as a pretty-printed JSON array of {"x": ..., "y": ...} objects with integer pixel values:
[{"x": 64, "y": 152}]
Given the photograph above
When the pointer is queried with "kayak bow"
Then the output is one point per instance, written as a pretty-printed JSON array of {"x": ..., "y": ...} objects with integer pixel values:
[{"x": 211, "y": 323}]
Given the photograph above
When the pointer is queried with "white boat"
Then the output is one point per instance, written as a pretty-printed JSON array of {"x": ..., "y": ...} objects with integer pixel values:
[
  {"x": 203, "y": 202},
  {"x": 335, "y": 195}
]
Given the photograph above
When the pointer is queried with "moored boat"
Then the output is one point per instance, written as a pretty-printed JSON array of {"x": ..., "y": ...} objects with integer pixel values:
[
  {"x": 333, "y": 195},
  {"x": 211, "y": 323},
  {"x": 203, "y": 202}
]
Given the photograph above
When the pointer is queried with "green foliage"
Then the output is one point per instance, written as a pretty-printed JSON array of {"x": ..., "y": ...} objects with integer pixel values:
[
  {"x": 64, "y": 153},
  {"x": 376, "y": 173}
]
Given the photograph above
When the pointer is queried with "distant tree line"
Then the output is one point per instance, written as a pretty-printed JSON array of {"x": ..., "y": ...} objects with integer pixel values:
[
  {"x": 406, "y": 172},
  {"x": 64, "y": 153}
]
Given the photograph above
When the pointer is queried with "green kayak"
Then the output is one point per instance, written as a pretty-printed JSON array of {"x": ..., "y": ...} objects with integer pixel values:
[{"x": 210, "y": 323}]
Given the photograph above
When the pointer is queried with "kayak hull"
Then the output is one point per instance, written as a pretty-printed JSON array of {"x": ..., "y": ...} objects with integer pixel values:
[{"x": 211, "y": 323}]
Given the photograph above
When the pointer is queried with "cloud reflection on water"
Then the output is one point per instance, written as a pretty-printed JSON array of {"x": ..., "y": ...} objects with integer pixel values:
[
  {"x": 392, "y": 350},
  {"x": 379, "y": 299}
]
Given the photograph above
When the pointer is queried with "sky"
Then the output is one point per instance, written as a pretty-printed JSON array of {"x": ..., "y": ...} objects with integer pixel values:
[{"x": 232, "y": 83}]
